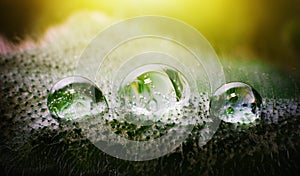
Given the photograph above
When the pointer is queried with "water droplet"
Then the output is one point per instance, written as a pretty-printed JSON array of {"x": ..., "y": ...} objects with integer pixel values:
[
  {"x": 236, "y": 102},
  {"x": 76, "y": 98},
  {"x": 152, "y": 105},
  {"x": 151, "y": 94}
]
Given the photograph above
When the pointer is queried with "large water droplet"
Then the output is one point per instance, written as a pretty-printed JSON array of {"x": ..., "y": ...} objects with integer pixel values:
[
  {"x": 153, "y": 95},
  {"x": 76, "y": 98},
  {"x": 236, "y": 102}
]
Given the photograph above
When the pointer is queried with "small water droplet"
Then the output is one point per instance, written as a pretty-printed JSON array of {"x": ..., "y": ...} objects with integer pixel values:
[
  {"x": 236, "y": 102},
  {"x": 152, "y": 105},
  {"x": 76, "y": 98}
]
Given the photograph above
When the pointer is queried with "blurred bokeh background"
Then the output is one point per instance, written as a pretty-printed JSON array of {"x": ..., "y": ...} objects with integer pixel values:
[{"x": 266, "y": 30}]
